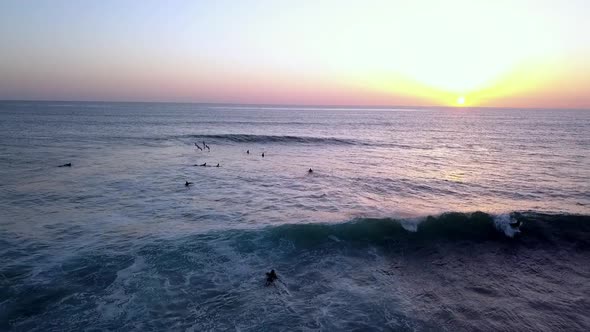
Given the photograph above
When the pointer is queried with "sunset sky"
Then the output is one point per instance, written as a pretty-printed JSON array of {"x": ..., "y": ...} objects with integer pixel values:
[{"x": 502, "y": 53}]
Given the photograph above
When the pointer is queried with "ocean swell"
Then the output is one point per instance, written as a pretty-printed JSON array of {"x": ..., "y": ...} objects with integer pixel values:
[
  {"x": 516, "y": 227},
  {"x": 243, "y": 138}
]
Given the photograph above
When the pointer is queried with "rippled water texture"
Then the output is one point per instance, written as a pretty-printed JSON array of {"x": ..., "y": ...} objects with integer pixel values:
[{"x": 118, "y": 242}]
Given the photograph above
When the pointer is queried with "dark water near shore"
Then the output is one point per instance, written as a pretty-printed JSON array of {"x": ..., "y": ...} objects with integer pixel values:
[{"x": 117, "y": 242}]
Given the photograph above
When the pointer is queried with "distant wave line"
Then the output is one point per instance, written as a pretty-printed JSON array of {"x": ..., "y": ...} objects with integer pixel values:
[{"x": 246, "y": 138}]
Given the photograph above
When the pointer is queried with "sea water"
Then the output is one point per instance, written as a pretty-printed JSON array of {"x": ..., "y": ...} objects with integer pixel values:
[{"x": 404, "y": 223}]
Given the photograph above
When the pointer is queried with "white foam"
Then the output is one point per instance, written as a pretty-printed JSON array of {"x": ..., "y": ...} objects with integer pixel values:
[
  {"x": 410, "y": 225},
  {"x": 503, "y": 223},
  {"x": 334, "y": 238},
  {"x": 116, "y": 302}
]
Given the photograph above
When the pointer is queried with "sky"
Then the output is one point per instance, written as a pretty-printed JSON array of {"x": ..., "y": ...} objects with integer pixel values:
[{"x": 502, "y": 53}]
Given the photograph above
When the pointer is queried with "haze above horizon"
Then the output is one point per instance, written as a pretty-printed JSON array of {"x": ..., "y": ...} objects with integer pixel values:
[{"x": 521, "y": 53}]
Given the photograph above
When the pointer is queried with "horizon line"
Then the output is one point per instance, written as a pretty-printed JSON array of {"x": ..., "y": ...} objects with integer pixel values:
[{"x": 295, "y": 105}]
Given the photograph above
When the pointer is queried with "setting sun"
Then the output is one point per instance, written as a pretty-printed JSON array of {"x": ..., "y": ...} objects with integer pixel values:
[{"x": 392, "y": 52}]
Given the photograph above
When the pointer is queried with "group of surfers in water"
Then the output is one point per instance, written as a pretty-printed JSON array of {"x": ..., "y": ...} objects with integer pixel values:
[{"x": 187, "y": 183}]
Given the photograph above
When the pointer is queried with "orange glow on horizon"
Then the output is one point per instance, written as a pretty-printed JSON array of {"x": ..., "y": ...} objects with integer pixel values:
[{"x": 389, "y": 52}]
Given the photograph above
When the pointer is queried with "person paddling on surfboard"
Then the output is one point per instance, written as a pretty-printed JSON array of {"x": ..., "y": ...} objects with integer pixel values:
[{"x": 271, "y": 277}]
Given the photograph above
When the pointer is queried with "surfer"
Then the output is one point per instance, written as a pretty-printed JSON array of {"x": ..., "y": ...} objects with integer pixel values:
[
  {"x": 198, "y": 147},
  {"x": 203, "y": 165},
  {"x": 310, "y": 171},
  {"x": 66, "y": 165},
  {"x": 271, "y": 277},
  {"x": 247, "y": 151},
  {"x": 217, "y": 165},
  {"x": 262, "y": 154},
  {"x": 186, "y": 183}
]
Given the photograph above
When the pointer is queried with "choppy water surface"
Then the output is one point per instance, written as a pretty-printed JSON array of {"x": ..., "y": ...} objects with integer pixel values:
[{"x": 117, "y": 242}]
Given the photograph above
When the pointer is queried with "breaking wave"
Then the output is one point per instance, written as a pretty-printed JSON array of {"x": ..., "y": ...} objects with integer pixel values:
[
  {"x": 215, "y": 280},
  {"x": 519, "y": 227}
]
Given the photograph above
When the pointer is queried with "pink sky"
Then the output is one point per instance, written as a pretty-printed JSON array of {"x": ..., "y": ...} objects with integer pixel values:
[{"x": 520, "y": 53}]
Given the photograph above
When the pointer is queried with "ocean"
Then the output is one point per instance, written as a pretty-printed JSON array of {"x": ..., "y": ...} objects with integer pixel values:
[{"x": 425, "y": 219}]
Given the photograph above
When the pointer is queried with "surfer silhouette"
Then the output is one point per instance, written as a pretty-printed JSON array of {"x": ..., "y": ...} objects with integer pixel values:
[
  {"x": 271, "y": 277},
  {"x": 186, "y": 183},
  {"x": 310, "y": 171},
  {"x": 70, "y": 165}
]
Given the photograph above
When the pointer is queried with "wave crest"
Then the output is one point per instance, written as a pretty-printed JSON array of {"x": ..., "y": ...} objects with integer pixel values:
[
  {"x": 524, "y": 228},
  {"x": 244, "y": 138}
]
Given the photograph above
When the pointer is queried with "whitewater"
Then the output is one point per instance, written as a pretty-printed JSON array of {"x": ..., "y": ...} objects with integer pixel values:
[{"x": 414, "y": 219}]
